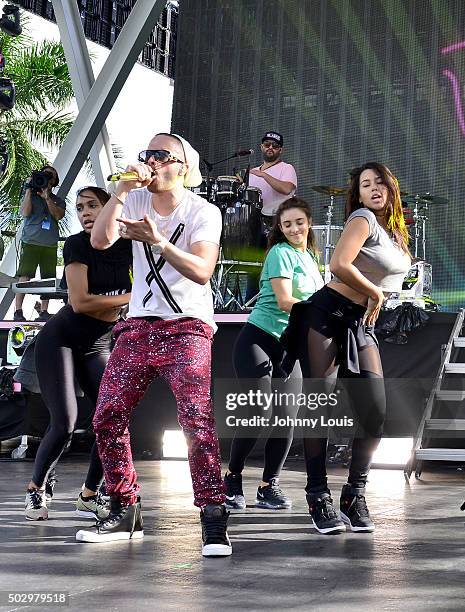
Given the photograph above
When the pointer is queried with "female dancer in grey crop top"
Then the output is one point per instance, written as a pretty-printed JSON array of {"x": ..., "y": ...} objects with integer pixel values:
[{"x": 335, "y": 326}]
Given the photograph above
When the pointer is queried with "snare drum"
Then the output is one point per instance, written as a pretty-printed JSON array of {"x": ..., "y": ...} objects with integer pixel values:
[{"x": 227, "y": 187}]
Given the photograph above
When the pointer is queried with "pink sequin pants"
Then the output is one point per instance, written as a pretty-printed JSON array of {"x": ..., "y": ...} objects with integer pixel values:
[{"x": 180, "y": 352}]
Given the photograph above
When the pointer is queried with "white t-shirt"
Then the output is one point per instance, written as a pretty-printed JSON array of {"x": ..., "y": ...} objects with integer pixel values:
[
  {"x": 159, "y": 289},
  {"x": 272, "y": 198}
]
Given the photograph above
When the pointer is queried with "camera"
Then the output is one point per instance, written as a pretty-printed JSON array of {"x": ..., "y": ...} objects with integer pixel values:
[{"x": 39, "y": 180}]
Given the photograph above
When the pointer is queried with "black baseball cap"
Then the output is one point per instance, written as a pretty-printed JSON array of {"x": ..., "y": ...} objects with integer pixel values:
[{"x": 274, "y": 136}]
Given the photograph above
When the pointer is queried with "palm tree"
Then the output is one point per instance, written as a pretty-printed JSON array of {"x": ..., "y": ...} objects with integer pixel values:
[{"x": 38, "y": 119}]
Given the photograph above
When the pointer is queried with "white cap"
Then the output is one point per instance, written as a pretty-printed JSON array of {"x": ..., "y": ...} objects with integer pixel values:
[{"x": 193, "y": 177}]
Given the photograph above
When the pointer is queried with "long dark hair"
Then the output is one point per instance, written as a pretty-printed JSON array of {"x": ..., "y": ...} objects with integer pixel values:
[
  {"x": 393, "y": 216},
  {"x": 276, "y": 236},
  {"x": 102, "y": 195}
]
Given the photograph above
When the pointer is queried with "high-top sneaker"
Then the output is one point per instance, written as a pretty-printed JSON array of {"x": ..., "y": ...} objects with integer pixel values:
[
  {"x": 215, "y": 540},
  {"x": 123, "y": 523},
  {"x": 272, "y": 497},
  {"x": 354, "y": 510},
  {"x": 235, "y": 499},
  {"x": 324, "y": 515},
  {"x": 35, "y": 506},
  {"x": 92, "y": 507}
]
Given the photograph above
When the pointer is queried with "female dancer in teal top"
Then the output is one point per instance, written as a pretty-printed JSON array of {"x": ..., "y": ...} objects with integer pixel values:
[{"x": 290, "y": 274}]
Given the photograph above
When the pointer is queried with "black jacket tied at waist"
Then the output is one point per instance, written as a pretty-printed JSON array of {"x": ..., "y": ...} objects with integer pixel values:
[{"x": 334, "y": 316}]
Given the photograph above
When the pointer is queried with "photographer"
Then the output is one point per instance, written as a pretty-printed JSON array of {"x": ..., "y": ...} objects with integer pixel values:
[{"x": 41, "y": 210}]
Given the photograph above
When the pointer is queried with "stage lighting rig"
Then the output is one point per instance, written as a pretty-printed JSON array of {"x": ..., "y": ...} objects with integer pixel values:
[
  {"x": 19, "y": 338},
  {"x": 10, "y": 21}
]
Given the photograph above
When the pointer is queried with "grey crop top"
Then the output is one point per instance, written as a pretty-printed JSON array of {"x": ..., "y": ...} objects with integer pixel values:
[{"x": 380, "y": 260}]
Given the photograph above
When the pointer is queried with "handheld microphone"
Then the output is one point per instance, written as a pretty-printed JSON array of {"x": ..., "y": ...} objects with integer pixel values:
[
  {"x": 124, "y": 176},
  {"x": 243, "y": 152}
]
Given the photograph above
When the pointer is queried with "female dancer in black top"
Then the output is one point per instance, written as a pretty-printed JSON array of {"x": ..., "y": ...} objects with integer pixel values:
[
  {"x": 335, "y": 326},
  {"x": 76, "y": 343}
]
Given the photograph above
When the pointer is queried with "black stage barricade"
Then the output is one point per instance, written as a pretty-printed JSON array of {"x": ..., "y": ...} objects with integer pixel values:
[{"x": 418, "y": 359}]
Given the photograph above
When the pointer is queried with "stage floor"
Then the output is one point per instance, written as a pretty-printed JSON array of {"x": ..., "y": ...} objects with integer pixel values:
[{"x": 413, "y": 561}]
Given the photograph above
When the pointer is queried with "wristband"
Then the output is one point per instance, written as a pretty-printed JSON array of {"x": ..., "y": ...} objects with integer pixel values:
[{"x": 159, "y": 247}]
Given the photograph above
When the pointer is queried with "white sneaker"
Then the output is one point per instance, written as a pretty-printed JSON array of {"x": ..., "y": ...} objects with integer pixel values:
[{"x": 35, "y": 507}]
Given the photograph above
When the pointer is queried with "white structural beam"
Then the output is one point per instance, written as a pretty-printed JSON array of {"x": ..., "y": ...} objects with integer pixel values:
[
  {"x": 105, "y": 90},
  {"x": 80, "y": 69},
  {"x": 96, "y": 108}
]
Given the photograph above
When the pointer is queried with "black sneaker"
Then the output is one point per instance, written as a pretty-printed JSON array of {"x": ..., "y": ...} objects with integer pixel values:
[
  {"x": 215, "y": 540},
  {"x": 354, "y": 510},
  {"x": 18, "y": 315},
  {"x": 50, "y": 487},
  {"x": 324, "y": 515},
  {"x": 123, "y": 523},
  {"x": 272, "y": 497},
  {"x": 235, "y": 499}
]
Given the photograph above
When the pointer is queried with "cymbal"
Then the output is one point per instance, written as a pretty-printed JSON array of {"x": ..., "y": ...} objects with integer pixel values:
[
  {"x": 411, "y": 200},
  {"x": 432, "y": 199},
  {"x": 424, "y": 198},
  {"x": 328, "y": 190}
]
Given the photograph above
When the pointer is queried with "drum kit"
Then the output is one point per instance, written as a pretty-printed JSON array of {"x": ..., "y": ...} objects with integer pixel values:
[{"x": 242, "y": 246}]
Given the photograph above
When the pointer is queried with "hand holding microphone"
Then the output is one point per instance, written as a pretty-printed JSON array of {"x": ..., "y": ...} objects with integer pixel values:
[{"x": 135, "y": 176}]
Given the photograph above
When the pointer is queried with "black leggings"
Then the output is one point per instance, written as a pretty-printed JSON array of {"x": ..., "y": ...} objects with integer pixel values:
[
  {"x": 257, "y": 355},
  {"x": 320, "y": 356},
  {"x": 69, "y": 347}
]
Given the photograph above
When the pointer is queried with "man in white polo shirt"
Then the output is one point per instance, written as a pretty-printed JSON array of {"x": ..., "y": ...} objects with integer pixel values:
[
  {"x": 168, "y": 333},
  {"x": 278, "y": 182}
]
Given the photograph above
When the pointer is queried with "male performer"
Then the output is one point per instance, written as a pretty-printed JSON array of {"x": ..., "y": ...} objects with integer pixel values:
[
  {"x": 176, "y": 234},
  {"x": 276, "y": 179},
  {"x": 278, "y": 182}
]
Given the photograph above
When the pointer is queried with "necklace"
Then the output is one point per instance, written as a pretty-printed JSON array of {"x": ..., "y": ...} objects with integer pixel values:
[{"x": 270, "y": 166}]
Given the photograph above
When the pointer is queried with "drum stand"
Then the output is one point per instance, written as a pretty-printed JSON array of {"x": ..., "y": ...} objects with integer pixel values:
[
  {"x": 328, "y": 246},
  {"x": 420, "y": 228},
  {"x": 228, "y": 296}
]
